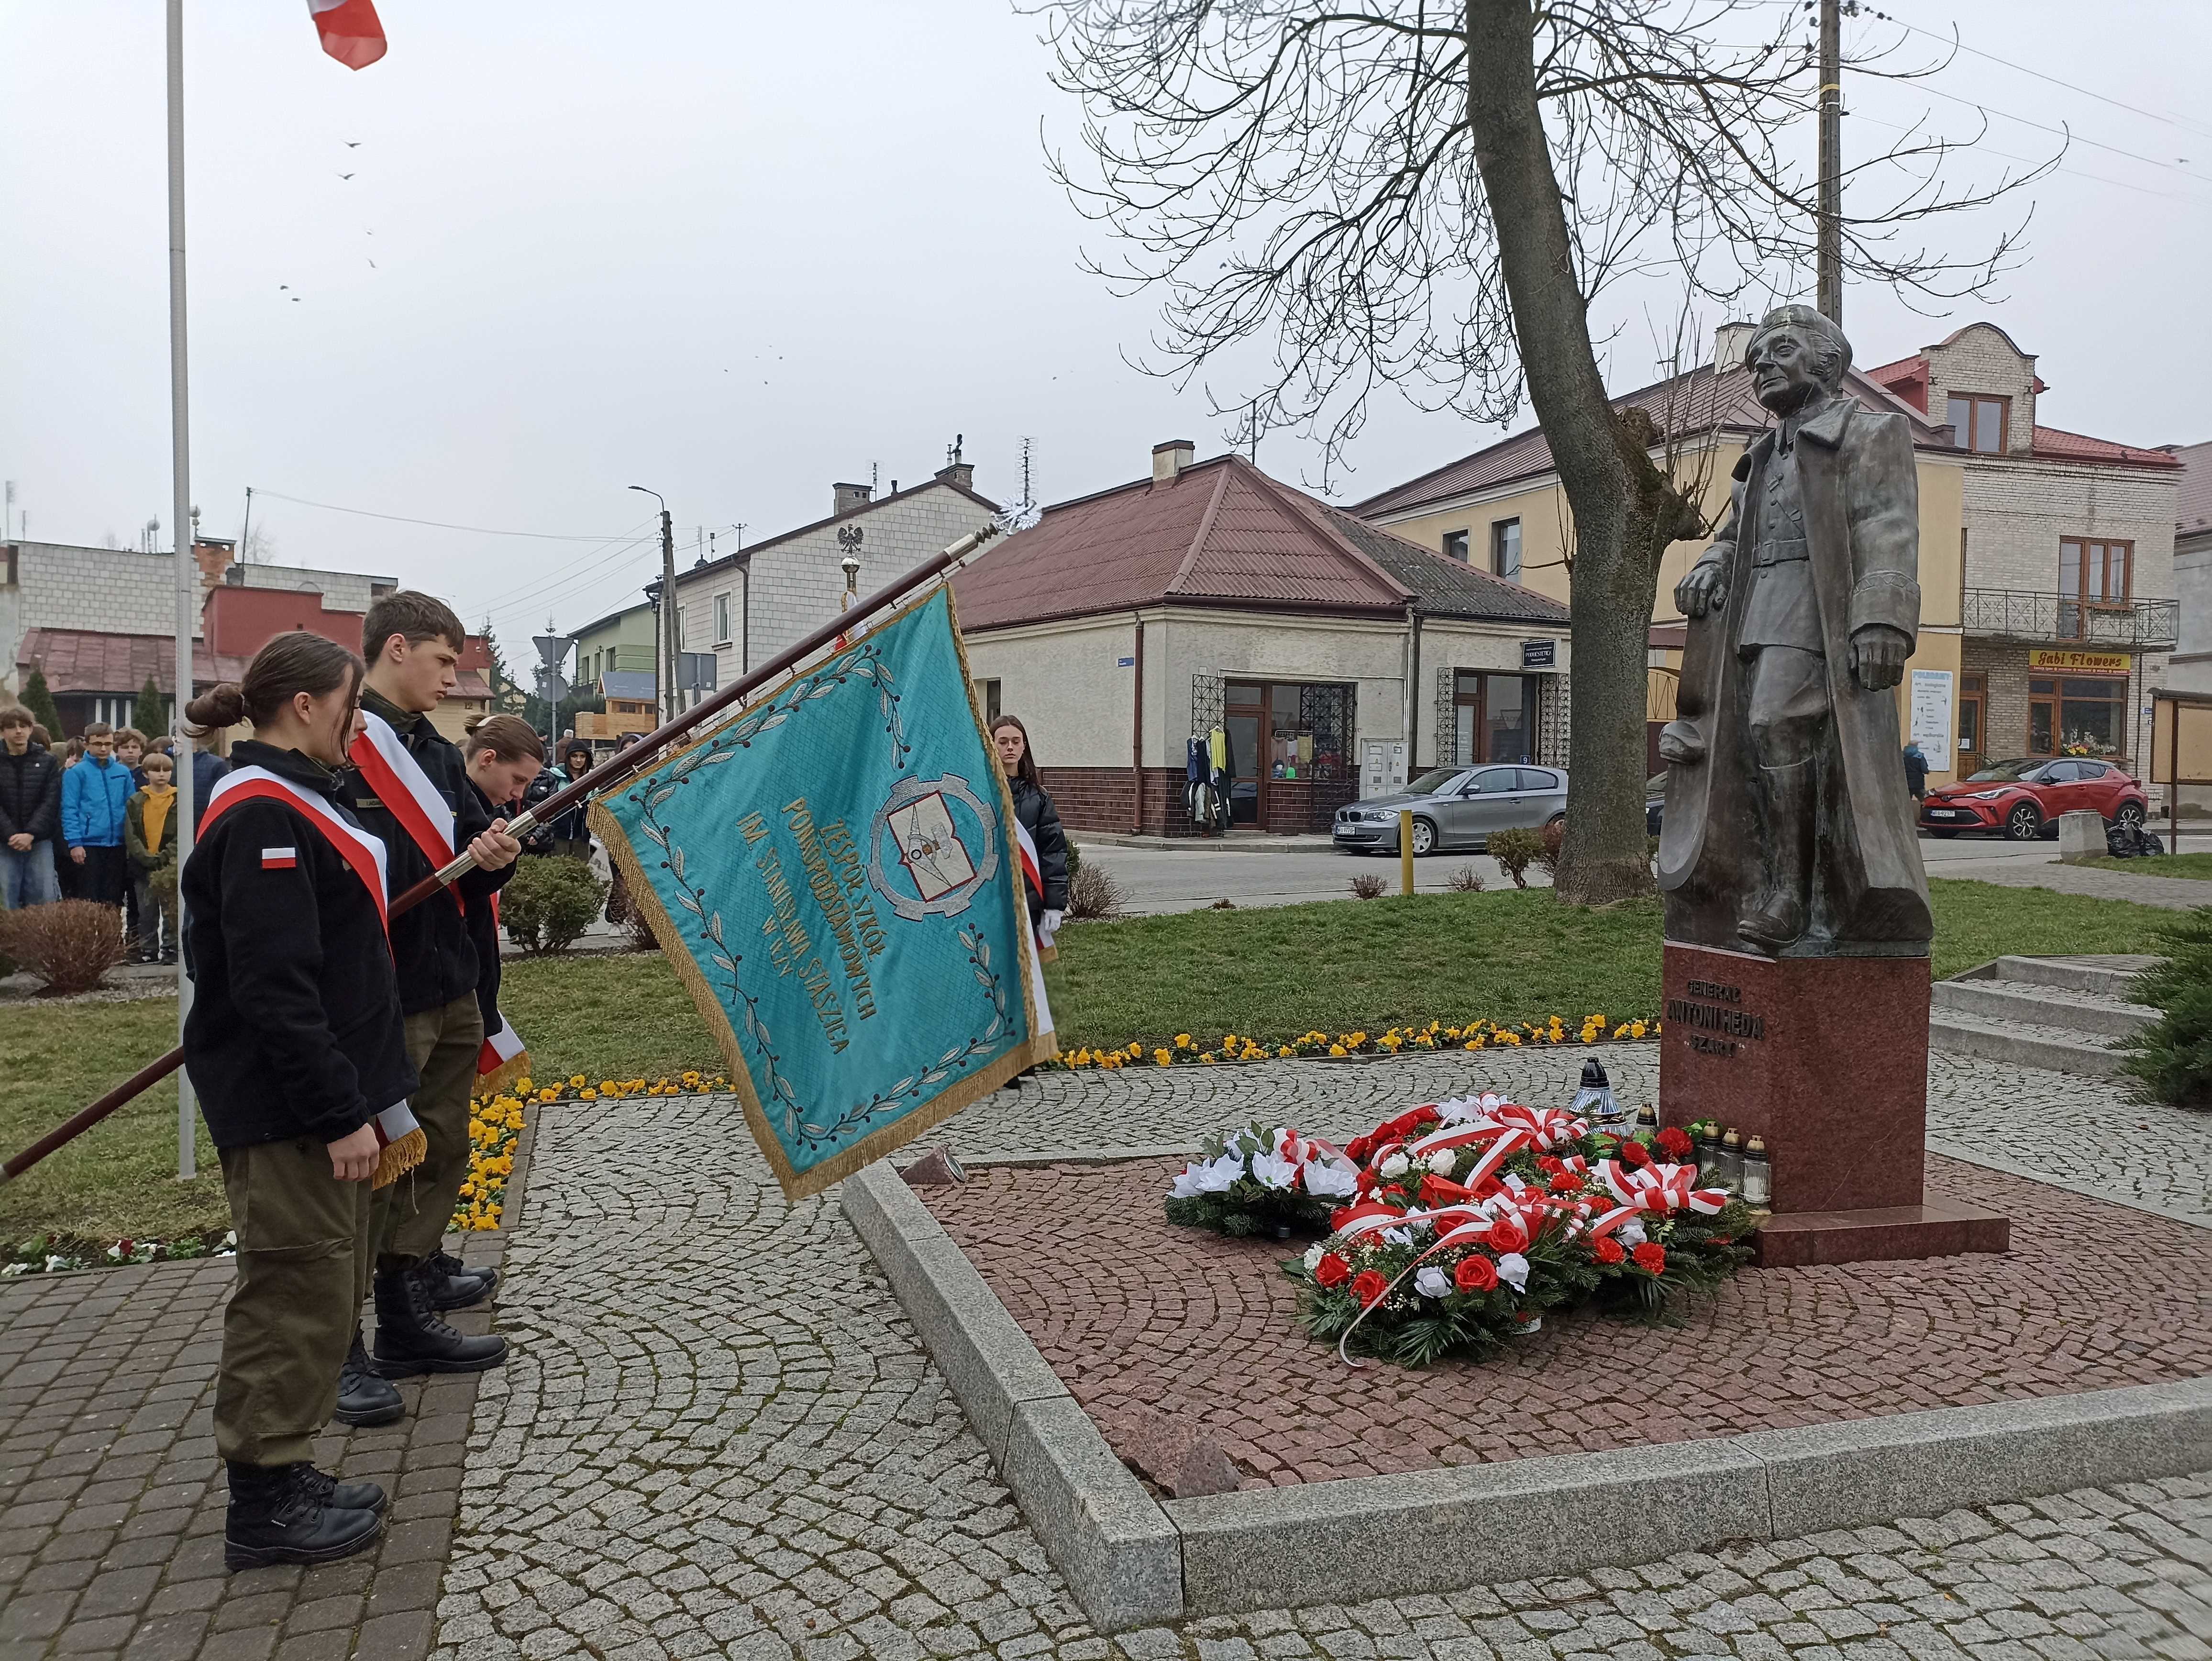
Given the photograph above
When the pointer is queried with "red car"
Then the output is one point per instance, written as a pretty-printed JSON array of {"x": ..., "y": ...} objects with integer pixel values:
[{"x": 2023, "y": 799}]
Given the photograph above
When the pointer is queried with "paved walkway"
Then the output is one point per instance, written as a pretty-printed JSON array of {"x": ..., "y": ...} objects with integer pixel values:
[
  {"x": 719, "y": 1435},
  {"x": 2097, "y": 881}
]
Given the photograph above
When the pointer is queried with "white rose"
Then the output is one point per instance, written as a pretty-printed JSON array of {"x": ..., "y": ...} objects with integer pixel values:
[
  {"x": 1186, "y": 1186},
  {"x": 1272, "y": 1173},
  {"x": 1314, "y": 1254},
  {"x": 1443, "y": 1160},
  {"x": 1397, "y": 1236},
  {"x": 1332, "y": 1180},
  {"x": 1432, "y": 1282},
  {"x": 1396, "y": 1165},
  {"x": 1513, "y": 1269},
  {"x": 1216, "y": 1179},
  {"x": 1631, "y": 1234}
]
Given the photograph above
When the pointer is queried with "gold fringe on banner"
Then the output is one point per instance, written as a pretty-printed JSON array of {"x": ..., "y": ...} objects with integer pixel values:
[
  {"x": 400, "y": 1157},
  {"x": 505, "y": 1076}
]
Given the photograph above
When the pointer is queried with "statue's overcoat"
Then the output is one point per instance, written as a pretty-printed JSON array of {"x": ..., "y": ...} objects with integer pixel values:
[{"x": 1858, "y": 481}]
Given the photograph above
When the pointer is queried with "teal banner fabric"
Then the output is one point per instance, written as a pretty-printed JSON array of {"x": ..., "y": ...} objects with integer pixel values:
[{"x": 833, "y": 872}]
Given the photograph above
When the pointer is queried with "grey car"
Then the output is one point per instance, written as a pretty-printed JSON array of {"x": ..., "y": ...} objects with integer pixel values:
[{"x": 1455, "y": 808}]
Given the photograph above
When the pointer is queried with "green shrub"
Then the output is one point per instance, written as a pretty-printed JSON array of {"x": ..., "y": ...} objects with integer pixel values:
[
  {"x": 1515, "y": 850},
  {"x": 2173, "y": 1058},
  {"x": 548, "y": 902}
]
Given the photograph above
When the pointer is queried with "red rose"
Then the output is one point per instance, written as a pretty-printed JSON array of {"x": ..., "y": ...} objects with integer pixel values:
[
  {"x": 1475, "y": 1272},
  {"x": 1675, "y": 1142},
  {"x": 1635, "y": 1155},
  {"x": 1359, "y": 1148},
  {"x": 1506, "y": 1234},
  {"x": 1651, "y": 1257},
  {"x": 1332, "y": 1271},
  {"x": 1368, "y": 1285},
  {"x": 1607, "y": 1249},
  {"x": 1549, "y": 1165},
  {"x": 1566, "y": 1183}
]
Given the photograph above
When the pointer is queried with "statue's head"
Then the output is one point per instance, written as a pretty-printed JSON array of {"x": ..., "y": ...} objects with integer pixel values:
[{"x": 1793, "y": 350}]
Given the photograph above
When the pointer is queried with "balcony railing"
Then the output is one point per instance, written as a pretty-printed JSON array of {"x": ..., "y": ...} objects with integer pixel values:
[{"x": 2029, "y": 614}]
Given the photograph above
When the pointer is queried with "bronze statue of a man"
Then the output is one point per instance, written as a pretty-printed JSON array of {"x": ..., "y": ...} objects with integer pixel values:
[{"x": 1788, "y": 829}]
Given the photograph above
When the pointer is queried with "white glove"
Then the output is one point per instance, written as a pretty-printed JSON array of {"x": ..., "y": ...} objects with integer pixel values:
[{"x": 1048, "y": 925}]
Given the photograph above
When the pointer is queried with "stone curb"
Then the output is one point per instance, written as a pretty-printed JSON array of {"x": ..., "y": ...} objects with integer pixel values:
[
  {"x": 1130, "y": 1561},
  {"x": 1105, "y": 1535}
]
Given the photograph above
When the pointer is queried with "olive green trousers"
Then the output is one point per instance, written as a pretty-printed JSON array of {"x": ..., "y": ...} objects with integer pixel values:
[
  {"x": 412, "y": 1213},
  {"x": 302, "y": 1236}
]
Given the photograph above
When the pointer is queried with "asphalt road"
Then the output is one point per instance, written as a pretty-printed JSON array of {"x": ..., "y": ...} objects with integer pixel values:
[{"x": 1178, "y": 879}]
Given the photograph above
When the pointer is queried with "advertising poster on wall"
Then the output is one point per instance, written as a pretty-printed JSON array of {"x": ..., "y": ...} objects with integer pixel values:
[{"x": 1931, "y": 712}]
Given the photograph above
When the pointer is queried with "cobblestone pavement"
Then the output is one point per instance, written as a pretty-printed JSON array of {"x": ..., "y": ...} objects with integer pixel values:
[
  {"x": 720, "y": 1435},
  {"x": 111, "y": 1498}
]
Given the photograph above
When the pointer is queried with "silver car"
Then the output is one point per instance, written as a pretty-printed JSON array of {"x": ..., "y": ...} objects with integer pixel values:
[{"x": 1455, "y": 808}]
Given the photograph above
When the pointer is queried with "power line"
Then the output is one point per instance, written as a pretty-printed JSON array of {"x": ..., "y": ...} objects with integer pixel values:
[
  {"x": 2032, "y": 161},
  {"x": 2180, "y": 122},
  {"x": 2068, "y": 134},
  {"x": 435, "y": 524}
]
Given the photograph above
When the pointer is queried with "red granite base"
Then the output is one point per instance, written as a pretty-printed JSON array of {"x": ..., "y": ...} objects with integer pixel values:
[{"x": 1938, "y": 1228}]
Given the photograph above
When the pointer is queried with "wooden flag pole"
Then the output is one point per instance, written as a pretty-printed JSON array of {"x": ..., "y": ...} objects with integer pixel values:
[{"x": 613, "y": 770}]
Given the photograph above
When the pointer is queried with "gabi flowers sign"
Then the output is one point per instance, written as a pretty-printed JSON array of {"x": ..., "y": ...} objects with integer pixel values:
[{"x": 833, "y": 872}]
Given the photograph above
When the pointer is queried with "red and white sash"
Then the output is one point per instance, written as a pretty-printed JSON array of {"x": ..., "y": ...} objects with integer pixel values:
[
  {"x": 364, "y": 856},
  {"x": 1026, "y": 846},
  {"x": 406, "y": 789},
  {"x": 503, "y": 1057}
]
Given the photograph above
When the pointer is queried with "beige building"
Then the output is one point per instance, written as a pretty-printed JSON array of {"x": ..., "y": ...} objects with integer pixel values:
[
  {"x": 1124, "y": 625},
  {"x": 1502, "y": 509}
]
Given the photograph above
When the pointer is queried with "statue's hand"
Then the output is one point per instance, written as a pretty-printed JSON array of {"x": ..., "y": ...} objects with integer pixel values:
[
  {"x": 1878, "y": 654},
  {"x": 1703, "y": 590}
]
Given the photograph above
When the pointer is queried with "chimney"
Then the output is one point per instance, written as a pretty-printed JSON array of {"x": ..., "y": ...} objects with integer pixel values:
[
  {"x": 850, "y": 496},
  {"x": 1730, "y": 342},
  {"x": 213, "y": 556},
  {"x": 961, "y": 473},
  {"x": 1169, "y": 459}
]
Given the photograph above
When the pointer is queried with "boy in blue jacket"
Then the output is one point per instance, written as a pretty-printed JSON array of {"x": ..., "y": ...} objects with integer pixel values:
[{"x": 94, "y": 792}]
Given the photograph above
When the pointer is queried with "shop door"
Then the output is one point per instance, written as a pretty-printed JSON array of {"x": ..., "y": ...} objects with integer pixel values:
[
  {"x": 1246, "y": 720},
  {"x": 1973, "y": 695},
  {"x": 2042, "y": 716}
]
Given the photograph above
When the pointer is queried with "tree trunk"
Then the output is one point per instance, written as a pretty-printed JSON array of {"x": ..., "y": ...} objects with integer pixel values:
[{"x": 1605, "y": 855}]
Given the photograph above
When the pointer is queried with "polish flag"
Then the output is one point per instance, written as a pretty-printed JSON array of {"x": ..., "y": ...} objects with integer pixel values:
[{"x": 350, "y": 29}]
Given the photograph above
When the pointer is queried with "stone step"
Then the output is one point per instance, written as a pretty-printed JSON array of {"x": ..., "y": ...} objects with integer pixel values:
[
  {"x": 2084, "y": 1013},
  {"x": 2109, "y": 977},
  {"x": 2022, "y": 1043}
]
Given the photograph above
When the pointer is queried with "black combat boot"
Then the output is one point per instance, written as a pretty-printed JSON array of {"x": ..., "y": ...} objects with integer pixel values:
[
  {"x": 411, "y": 1339},
  {"x": 365, "y": 1396},
  {"x": 285, "y": 1514},
  {"x": 454, "y": 1285},
  {"x": 344, "y": 1496}
]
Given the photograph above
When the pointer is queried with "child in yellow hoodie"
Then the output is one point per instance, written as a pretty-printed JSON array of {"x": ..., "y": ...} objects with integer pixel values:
[{"x": 149, "y": 835}]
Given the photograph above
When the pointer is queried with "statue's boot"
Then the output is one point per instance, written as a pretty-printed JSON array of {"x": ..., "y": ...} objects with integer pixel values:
[
  {"x": 1681, "y": 741},
  {"x": 1778, "y": 919}
]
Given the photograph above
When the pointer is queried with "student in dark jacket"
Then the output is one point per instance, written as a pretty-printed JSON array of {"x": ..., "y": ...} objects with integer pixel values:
[
  {"x": 1034, "y": 808},
  {"x": 296, "y": 1044},
  {"x": 572, "y": 833},
  {"x": 30, "y": 814},
  {"x": 505, "y": 757},
  {"x": 412, "y": 643}
]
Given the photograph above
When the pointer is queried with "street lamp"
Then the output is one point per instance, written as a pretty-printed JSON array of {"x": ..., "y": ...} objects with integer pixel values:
[{"x": 669, "y": 643}]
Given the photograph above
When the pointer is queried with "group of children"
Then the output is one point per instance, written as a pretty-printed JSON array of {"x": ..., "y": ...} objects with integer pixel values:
[{"x": 335, "y": 1045}]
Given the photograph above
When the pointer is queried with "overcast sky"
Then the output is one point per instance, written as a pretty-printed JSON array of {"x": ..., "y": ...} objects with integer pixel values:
[{"x": 736, "y": 252}]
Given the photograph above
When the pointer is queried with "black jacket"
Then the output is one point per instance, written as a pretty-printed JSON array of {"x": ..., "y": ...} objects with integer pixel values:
[
  {"x": 1035, "y": 810},
  {"x": 540, "y": 841},
  {"x": 430, "y": 943},
  {"x": 295, "y": 1028},
  {"x": 30, "y": 795}
]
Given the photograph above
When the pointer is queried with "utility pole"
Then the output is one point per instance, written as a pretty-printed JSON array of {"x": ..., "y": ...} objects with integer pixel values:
[
  {"x": 669, "y": 706},
  {"x": 1828, "y": 243}
]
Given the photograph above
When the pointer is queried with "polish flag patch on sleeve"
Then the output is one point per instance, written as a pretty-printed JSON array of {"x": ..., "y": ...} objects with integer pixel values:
[{"x": 279, "y": 859}]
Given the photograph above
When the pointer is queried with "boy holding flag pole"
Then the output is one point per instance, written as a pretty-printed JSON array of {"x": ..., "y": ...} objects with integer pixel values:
[{"x": 410, "y": 788}]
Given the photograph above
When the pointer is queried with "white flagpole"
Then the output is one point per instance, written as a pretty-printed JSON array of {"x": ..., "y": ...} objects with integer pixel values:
[{"x": 180, "y": 518}]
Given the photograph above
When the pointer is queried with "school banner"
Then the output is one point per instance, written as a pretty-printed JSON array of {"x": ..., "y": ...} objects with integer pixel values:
[{"x": 833, "y": 874}]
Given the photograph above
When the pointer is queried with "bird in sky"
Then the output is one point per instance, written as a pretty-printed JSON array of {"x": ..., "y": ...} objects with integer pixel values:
[
  {"x": 283, "y": 285},
  {"x": 346, "y": 175},
  {"x": 351, "y": 144},
  {"x": 372, "y": 264}
]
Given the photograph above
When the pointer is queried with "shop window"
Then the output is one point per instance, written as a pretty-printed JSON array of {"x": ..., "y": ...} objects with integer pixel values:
[
  {"x": 1505, "y": 549},
  {"x": 2076, "y": 714},
  {"x": 1456, "y": 546},
  {"x": 1980, "y": 423}
]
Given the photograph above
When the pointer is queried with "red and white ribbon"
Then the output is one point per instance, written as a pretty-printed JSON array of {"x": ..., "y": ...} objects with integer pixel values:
[{"x": 361, "y": 852}]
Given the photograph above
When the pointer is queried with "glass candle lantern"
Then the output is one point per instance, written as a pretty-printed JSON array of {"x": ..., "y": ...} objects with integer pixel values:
[
  {"x": 1728, "y": 1171},
  {"x": 1758, "y": 1173}
]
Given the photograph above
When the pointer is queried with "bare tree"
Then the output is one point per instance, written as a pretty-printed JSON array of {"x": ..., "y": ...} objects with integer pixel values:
[{"x": 1428, "y": 196}]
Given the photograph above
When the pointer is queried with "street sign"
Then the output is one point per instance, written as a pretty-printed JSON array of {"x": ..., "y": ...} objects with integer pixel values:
[
  {"x": 552, "y": 649},
  {"x": 696, "y": 671},
  {"x": 552, "y": 685},
  {"x": 1539, "y": 653}
]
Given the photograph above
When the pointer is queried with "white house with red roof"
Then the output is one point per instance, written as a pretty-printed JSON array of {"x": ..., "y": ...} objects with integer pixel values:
[{"x": 1207, "y": 595}]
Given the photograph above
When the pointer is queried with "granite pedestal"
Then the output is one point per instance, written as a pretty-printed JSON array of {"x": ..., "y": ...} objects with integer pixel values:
[{"x": 1824, "y": 1060}]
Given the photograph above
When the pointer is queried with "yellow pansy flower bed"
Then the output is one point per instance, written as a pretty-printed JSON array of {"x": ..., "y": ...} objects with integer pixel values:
[
  {"x": 1187, "y": 1051},
  {"x": 496, "y": 1124}
]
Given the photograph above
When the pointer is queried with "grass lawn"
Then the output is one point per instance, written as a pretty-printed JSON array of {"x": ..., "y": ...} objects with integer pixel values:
[
  {"x": 1267, "y": 972},
  {"x": 2157, "y": 864}
]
